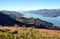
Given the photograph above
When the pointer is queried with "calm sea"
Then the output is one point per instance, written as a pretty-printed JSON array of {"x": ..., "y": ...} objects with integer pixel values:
[{"x": 54, "y": 20}]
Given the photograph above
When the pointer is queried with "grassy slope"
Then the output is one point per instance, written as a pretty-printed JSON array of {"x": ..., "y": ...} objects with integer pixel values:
[{"x": 28, "y": 33}]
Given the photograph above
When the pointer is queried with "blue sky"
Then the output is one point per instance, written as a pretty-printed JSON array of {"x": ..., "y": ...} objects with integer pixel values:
[{"x": 26, "y": 5}]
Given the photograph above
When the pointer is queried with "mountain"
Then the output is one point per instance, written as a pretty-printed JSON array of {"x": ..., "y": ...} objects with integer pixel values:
[
  {"x": 47, "y": 12},
  {"x": 7, "y": 20}
]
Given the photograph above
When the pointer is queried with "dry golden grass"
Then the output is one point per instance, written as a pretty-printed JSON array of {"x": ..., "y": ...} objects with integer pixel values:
[
  {"x": 40, "y": 32},
  {"x": 43, "y": 33}
]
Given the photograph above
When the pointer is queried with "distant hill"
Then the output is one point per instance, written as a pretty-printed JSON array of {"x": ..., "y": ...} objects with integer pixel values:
[
  {"x": 12, "y": 14},
  {"x": 7, "y": 20},
  {"x": 47, "y": 12}
]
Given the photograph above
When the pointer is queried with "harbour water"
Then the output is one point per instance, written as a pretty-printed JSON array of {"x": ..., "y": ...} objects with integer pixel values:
[{"x": 54, "y": 20}]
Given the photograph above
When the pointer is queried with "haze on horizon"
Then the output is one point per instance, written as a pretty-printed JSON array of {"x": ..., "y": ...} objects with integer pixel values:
[{"x": 26, "y": 5}]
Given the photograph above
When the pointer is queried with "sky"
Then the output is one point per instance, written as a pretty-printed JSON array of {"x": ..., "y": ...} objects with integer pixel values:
[{"x": 26, "y": 5}]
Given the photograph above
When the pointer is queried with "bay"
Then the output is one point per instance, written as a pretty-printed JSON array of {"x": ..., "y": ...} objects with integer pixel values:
[{"x": 54, "y": 20}]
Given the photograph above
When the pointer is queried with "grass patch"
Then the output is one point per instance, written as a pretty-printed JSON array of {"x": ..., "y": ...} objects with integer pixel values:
[{"x": 28, "y": 33}]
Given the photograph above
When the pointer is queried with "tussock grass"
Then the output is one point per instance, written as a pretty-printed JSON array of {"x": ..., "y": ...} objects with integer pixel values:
[{"x": 28, "y": 33}]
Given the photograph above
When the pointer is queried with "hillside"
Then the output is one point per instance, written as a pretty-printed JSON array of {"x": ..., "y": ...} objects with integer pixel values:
[
  {"x": 27, "y": 33},
  {"x": 7, "y": 20},
  {"x": 46, "y": 12},
  {"x": 26, "y": 28},
  {"x": 12, "y": 14}
]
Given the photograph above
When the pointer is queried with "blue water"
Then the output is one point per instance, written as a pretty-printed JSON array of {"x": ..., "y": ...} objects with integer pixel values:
[{"x": 54, "y": 20}]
